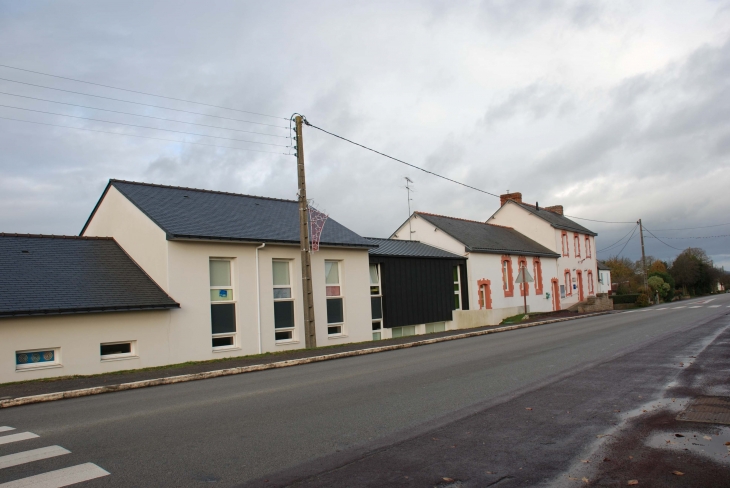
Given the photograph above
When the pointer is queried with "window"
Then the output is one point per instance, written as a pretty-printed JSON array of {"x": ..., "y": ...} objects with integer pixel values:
[
  {"x": 524, "y": 287},
  {"x": 457, "y": 289},
  {"x": 590, "y": 282},
  {"x": 537, "y": 269},
  {"x": 576, "y": 243},
  {"x": 335, "y": 305},
  {"x": 507, "y": 281},
  {"x": 588, "y": 247},
  {"x": 408, "y": 330},
  {"x": 568, "y": 288},
  {"x": 222, "y": 305},
  {"x": 435, "y": 327},
  {"x": 37, "y": 359},
  {"x": 283, "y": 301},
  {"x": 117, "y": 350},
  {"x": 562, "y": 291},
  {"x": 485, "y": 294},
  {"x": 376, "y": 301},
  {"x": 505, "y": 275},
  {"x": 566, "y": 251}
]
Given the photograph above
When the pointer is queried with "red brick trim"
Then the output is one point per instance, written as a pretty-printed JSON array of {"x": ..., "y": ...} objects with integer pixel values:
[
  {"x": 568, "y": 283},
  {"x": 579, "y": 281},
  {"x": 576, "y": 245},
  {"x": 537, "y": 269},
  {"x": 556, "y": 293},
  {"x": 524, "y": 287},
  {"x": 487, "y": 303},
  {"x": 589, "y": 277},
  {"x": 566, "y": 245},
  {"x": 510, "y": 290}
]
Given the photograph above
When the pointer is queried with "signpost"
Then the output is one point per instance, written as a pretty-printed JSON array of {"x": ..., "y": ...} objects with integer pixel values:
[{"x": 523, "y": 277}]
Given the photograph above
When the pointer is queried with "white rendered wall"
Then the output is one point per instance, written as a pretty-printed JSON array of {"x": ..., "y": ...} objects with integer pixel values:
[
  {"x": 524, "y": 222},
  {"x": 79, "y": 336},
  {"x": 428, "y": 233},
  {"x": 141, "y": 238}
]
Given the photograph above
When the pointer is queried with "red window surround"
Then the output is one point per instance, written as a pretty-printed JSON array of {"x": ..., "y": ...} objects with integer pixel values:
[
  {"x": 485, "y": 294},
  {"x": 588, "y": 246},
  {"x": 589, "y": 274},
  {"x": 509, "y": 284},
  {"x": 566, "y": 249},
  {"x": 537, "y": 275},
  {"x": 524, "y": 287},
  {"x": 568, "y": 283},
  {"x": 576, "y": 243}
]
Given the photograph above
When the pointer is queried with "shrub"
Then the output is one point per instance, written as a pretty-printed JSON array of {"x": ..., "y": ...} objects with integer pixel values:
[
  {"x": 642, "y": 300},
  {"x": 628, "y": 298}
]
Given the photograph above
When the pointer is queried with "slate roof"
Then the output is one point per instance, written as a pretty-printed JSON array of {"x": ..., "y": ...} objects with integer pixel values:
[
  {"x": 556, "y": 220},
  {"x": 188, "y": 213},
  {"x": 57, "y": 275},
  {"x": 488, "y": 238},
  {"x": 602, "y": 266},
  {"x": 411, "y": 249}
]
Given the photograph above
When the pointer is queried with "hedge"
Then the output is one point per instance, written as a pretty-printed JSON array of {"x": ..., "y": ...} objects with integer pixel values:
[{"x": 628, "y": 298}]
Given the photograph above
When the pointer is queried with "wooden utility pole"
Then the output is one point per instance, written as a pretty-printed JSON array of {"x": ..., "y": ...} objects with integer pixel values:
[
  {"x": 310, "y": 334},
  {"x": 643, "y": 255}
]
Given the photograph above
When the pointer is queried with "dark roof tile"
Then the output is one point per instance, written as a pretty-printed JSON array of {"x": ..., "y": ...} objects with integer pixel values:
[
  {"x": 556, "y": 220},
  {"x": 413, "y": 249}
]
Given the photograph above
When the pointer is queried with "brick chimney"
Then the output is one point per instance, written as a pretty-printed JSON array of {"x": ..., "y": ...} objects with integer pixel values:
[
  {"x": 558, "y": 209},
  {"x": 517, "y": 197}
]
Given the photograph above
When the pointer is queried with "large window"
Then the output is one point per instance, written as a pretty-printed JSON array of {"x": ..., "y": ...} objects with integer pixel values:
[
  {"x": 283, "y": 301},
  {"x": 576, "y": 243},
  {"x": 568, "y": 284},
  {"x": 376, "y": 301},
  {"x": 588, "y": 247},
  {"x": 457, "y": 288},
  {"x": 566, "y": 251},
  {"x": 222, "y": 305},
  {"x": 507, "y": 282},
  {"x": 537, "y": 271},
  {"x": 590, "y": 283},
  {"x": 335, "y": 298},
  {"x": 37, "y": 359}
]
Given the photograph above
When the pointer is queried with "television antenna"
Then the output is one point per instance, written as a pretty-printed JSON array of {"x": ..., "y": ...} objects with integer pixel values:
[{"x": 408, "y": 193}]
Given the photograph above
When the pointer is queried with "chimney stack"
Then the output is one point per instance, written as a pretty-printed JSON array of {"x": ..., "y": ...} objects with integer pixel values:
[
  {"x": 558, "y": 209},
  {"x": 517, "y": 197}
]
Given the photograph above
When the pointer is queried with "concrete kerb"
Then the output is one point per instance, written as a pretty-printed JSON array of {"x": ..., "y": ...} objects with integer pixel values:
[{"x": 50, "y": 397}]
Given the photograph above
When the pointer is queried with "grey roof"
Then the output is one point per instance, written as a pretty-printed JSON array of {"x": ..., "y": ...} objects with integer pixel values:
[
  {"x": 412, "y": 249},
  {"x": 483, "y": 237},
  {"x": 187, "y": 213},
  {"x": 55, "y": 274},
  {"x": 556, "y": 220},
  {"x": 602, "y": 266}
]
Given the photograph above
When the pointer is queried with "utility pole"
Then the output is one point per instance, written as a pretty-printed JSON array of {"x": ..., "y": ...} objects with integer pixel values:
[
  {"x": 310, "y": 335},
  {"x": 643, "y": 255},
  {"x": 408, "y": 192}
]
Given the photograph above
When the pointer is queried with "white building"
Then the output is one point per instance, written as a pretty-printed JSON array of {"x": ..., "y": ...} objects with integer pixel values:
[
  {"x": 231, "y": 262},
  {"x": 495, "y": 255},
  {"x": 576, "y": 266},
  {"x": 604, "y": 278}
]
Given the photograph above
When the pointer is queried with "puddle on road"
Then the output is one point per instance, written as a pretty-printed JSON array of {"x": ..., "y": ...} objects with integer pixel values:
[{"x": 710, "y": 445}]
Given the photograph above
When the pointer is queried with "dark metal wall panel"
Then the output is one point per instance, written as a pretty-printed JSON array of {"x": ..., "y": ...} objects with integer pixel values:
[{"x": 418, "y": 290}]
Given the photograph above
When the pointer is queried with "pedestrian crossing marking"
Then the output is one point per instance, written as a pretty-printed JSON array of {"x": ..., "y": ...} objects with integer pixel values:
[
  {"x": 663, "y": 308},
  {"x": 696, "y": 306},
  {"x": 676, "y": 308},
  {"x": 32, "y": 455},
  {"x": 7, "y": 439},
  {"x": 5, "y": 428},
  {"x": 713, "y": 306},
  {"x": 59, "y": 477}
]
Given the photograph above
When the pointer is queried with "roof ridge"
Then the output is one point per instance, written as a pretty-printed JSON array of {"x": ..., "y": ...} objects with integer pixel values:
[
  {"x": 52, "y": 236},
  {"x": 156, "y": 185},
  {"x": 464, "y": 220},
  {"x": 388, "y": 239}
]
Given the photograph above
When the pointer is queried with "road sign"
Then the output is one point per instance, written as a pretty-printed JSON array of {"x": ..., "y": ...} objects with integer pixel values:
[{"x": 524, "y": 276}]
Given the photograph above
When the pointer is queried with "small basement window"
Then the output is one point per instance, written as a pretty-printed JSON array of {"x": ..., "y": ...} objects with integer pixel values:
[
  {"x": 37, "y": 359},
  {"x": 408, "y": 330},
  {"x": 117, "y": 350},
  {"x": 435, "y": 327}
]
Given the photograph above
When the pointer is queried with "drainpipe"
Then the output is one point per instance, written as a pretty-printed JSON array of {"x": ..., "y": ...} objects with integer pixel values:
[{"x": 258, "y": 294}]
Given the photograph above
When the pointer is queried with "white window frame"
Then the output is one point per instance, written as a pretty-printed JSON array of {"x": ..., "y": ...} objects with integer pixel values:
[
  {"x": 293, "y": 329},
  {"x": 379, "y": 284},
  {"x": 342, "y": 332},
  {"x": 56, "y": 363},
  {"x": 232, "y": 335},
  {"x": 132, "y": 354},
  {"x": 505, "y": 275},
  {"x": 457, "y": 291}
]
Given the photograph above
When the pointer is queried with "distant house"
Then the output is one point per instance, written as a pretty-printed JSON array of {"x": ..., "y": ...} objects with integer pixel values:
[
  {"x": 604, "y": 278},
  {"x": 414, "y": 288},
  {"x": 77, "y": 305},
  {"x": 574, "y": 244},
  {"x": 495, "y": 255}
]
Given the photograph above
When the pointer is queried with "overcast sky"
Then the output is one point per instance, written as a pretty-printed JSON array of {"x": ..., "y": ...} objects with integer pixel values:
[{"x": 617, "y": 110}]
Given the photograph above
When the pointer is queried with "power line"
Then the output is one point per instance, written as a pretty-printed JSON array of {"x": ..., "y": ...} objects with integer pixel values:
[
  {"x": 695, "y": 237},
  {"x": 615, "y": 243},
  {"x": 142, "y": 126},
  {"x": 603, "y": 221},
  {"x": 692, "y": 228},
  {"x": 141, "y": 92},
  {"x": 143, "y": 104},
  {"x": 141, "y": 115},
  {"x": 629, "y": 240},
  {"x": 142, "y": 137},
  {"x": 662, "y": 240}
]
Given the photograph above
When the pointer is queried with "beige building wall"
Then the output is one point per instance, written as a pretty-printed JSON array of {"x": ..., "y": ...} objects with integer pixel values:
[
  {"x": 512, "y": 215},
  {"x": 428, "y": 233},
  {"x": 77, "y": 339}
]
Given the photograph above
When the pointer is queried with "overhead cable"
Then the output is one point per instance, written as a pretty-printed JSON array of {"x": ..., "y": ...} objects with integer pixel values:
[
  {"x": 615, "y": 243},
  {"x": 678, "y": 249},
  {"x": 142, "y": 126},
  {"x": 141, "y": 92},
  {"x": 142, "y": 137},
  {"x": 629, "y": 240},
  {"x": 692, "y": 228},
  {"x": 143, "y": 104}
]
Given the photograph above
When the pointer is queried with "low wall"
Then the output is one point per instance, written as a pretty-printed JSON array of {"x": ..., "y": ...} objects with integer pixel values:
[
  {"x": 598, "y": 303},
  {"x": 467, "y": 319}
]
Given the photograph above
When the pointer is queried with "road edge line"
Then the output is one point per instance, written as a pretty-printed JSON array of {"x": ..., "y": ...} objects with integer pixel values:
[{"x": 97, "y": 390}]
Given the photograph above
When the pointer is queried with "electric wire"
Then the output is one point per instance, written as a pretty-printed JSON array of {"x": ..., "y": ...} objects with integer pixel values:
[
  {"x": 626, "y": 243},
  {"x": 696, "y": 237},
  {"x": 678, "y": 249},
  {"x": 603, "y": 221},
  {"x": 142, "y": 126},
  {"x": 692, "y": 228},
  {"x": 142, "y": 137},
  {"x": 141, "y": 115},
  {"x": 140, "y": 92},
  {"x": 615, "y": 243},
  {"x": 143, "y": 104}
]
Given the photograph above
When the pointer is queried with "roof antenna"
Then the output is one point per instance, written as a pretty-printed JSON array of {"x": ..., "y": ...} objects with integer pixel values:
[
  {"x": 537, "y": 206},
  {"x": 409, "y": 190}
]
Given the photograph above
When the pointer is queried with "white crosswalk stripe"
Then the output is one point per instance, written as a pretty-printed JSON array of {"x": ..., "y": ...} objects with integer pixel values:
[
  {"x": 51, "y": 479},
  {"x": 696, "y": 306},
  {"x": 32, "y": 455},
  {"x": 59, "y": 477},
  {"x": 7, "y": 439},
  {"x": 677, "y": 308},
  {"x": 713, "y": 306}
]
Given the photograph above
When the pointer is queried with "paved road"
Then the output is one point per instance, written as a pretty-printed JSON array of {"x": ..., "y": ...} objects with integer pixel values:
[{"x": 297, "y": 424}]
